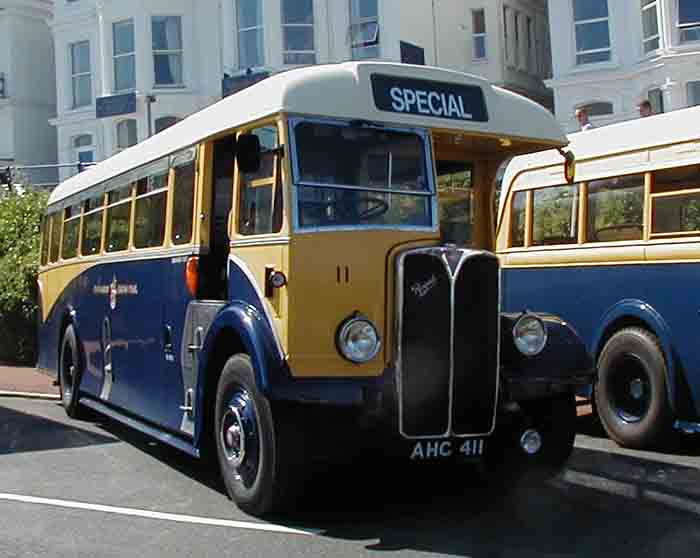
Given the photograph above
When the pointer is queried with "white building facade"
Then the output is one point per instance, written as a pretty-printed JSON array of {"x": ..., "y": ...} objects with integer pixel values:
[
  {"x": 27, "y": 83},
  {"x": 118, "y": 60},
  {"x": 609, "y": 55}
]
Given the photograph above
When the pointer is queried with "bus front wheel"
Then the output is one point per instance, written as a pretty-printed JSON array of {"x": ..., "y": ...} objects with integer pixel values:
[
  {"x": 69, "y": 373},
  {"x": 254, "y": 456},
  {"x": 631, "y": 396}
]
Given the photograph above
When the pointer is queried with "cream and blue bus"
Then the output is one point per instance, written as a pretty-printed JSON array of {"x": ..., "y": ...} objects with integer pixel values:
[
  {"x": 617, "y": 254},
  {"x": 305, "y": 271}
]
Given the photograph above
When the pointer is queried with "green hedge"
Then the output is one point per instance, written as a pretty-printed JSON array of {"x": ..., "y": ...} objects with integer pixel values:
[{"x": 20, "y": 224}]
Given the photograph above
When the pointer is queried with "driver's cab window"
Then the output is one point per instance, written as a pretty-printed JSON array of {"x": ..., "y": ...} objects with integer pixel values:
[
  {"x": 456, "y": 196},
  {"x": 260, "y": 198}
]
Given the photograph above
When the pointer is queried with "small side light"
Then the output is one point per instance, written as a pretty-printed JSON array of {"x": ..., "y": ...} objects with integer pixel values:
[
  {"x": 273, "y": 280},
  {"x": 192, "y": 275}
]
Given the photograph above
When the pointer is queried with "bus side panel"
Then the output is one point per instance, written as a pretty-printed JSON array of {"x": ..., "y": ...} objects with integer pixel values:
[
  {"x": 68, "y": 295},
  {"x": 584, "y": 296}
]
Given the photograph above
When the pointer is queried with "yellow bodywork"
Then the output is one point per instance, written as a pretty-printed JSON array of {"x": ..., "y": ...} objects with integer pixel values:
[
  {"x": 332, "y": 275},
  {"x": 53, "y": 282}
]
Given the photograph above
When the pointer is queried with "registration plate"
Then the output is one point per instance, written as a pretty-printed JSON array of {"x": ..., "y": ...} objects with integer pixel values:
[{"x": 429, "y": 450}]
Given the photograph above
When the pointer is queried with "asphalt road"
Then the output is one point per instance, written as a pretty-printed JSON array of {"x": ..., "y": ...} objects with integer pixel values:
[{"x": 92, "y": 489}]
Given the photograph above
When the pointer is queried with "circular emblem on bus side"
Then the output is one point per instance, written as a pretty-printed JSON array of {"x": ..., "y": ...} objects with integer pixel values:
[{"x": 113, "y": 293}]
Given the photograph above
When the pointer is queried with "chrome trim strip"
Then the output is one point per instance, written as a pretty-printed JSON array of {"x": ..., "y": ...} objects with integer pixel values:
[
  {"x": 251, "y": 278},
  {"x": 440, "y": 253},
  {"x": 279, "y": 241}
]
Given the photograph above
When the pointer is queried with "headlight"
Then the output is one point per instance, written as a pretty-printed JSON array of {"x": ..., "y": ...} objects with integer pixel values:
[
  {"x": 358, "y": 340},
  {"x": 530, "y": 335}
]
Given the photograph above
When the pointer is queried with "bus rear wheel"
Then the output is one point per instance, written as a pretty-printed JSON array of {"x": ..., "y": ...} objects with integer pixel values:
[
  {"x": 70, "y": 373},
  {"x": 254, "y": 460},
  {"x": 631, "y": 396}
]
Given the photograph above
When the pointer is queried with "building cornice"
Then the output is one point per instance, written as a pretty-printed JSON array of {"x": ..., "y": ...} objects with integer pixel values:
[{"x": 615, "y": 74}]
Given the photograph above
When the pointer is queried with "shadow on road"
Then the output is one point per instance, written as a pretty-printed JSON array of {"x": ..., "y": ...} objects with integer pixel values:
[{"x": 21, "y": 432}]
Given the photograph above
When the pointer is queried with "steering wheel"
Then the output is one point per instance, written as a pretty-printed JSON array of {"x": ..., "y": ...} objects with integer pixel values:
[{"x": 375, "y": 207}]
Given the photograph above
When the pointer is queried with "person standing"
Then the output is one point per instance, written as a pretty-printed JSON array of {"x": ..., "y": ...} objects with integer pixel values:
[{"x": 582, "y": 118}]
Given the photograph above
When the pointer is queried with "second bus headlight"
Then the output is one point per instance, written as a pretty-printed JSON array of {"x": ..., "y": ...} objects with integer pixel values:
[
  {"x": 530, "y": 335},
  {"x": 358, "y": 340}
]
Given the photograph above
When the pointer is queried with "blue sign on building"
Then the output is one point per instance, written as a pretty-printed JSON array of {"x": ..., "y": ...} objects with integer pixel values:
[
  {"x": 116, "y": 105},
  {"x": 234, "y": 84}
]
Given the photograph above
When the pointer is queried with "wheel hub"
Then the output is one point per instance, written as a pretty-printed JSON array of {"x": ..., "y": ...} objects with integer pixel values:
[
  {"x": 233, "y": 436},
  {"x": 637, "y": 389}
]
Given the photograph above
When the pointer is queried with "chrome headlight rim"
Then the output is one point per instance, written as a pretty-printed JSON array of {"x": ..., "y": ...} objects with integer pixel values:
[
  {"x": 543, "y": 341},
  {"x": 344, "y": 329}
]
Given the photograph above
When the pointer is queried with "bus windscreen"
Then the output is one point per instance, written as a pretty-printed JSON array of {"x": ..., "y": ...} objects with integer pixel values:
[{"x": 359, "y": 176}]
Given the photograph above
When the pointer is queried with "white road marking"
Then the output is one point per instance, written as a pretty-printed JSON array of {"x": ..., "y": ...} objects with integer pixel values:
[
  {"x": 29, "y": 395},
  {"x": 247, "y": 525}
]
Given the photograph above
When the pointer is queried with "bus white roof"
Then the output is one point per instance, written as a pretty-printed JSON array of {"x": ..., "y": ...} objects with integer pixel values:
[
  {"x": 642, "y": 134},
  {"x": 338, "y": 90}
]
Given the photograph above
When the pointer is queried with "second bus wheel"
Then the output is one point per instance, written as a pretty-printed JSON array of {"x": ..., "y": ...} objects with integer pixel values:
[
  {"x": 70, "y": 373},
  {"x": 631, "y": 395},
  {"x": 255, "y": 461}
]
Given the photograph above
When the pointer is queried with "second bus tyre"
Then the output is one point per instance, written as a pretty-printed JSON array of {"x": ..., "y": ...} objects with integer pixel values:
[
  {"x": 70, "y": 373},
  {"x": 631, "y": 395}
]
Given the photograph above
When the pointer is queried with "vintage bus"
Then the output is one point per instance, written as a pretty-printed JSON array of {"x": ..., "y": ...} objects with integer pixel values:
[
  {"x": 269, "y": 281},
  {"x": 617, "y": 255}
]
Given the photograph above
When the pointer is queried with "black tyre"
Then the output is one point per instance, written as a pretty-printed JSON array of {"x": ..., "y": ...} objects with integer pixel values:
[
  {"x": 70, "y": 371},
  {"x": 550, "y": 425},
  {"x": 257, "y": 458},
  {"x": 631, "y": 395}
]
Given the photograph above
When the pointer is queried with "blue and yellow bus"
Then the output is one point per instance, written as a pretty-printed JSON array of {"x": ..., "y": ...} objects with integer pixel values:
[
  {"x": 275, "y": 281},
  {"x": 617, "y": 254}
]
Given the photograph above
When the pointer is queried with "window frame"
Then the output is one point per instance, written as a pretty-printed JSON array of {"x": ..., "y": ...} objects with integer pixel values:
[
  {"x": 137, "y": 197},
  {"x": 98, "y": 209},
  {"x": 77, "y": 150},
  {"x": 276, "y": 181},
  {"x": 285, "y": 26},
  {"x": 169, "y": 52},
  {"x": 76, "y": 75},
  {"x": 79, "y": 218},
  {"x": 128, "y": 200},
  {"x": 679, "y": 193},
  {"x": 590, "y": 21},
  {"x": 363, "y": 50},
  {"x": 180, "y": 159},
  {"x": 479, "y": 36},
  {"x": 121, "y": 55},
  {"x": 259, "y": 28},
  {"x": 683, "y": 27},
  {"x": 650, "y": 5},
  {"x": 125, "y": 122}
]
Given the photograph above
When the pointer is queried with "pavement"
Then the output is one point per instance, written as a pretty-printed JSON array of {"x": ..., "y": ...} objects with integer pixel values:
[{"x": 26, "y": 382}]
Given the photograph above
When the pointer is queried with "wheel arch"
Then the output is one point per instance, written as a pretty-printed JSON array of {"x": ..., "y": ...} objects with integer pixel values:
[
  {"x": 637, "y": 313},
  {"x": 238, "y": 328}
]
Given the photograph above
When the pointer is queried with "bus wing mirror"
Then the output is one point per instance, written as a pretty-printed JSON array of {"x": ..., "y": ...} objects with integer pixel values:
[{"x": 248, "y": 153}]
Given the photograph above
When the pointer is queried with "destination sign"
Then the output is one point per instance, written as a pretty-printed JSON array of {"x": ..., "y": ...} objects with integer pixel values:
[{"x": 429, "y": 98}]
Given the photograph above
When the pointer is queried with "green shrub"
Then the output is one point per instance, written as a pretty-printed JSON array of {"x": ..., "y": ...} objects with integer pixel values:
[{"x": 20, "y": 224}]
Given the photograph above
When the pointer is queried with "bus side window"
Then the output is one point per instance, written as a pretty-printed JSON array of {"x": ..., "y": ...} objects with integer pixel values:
[
  {"x": 92, "y": 226},
  {"x": 118, "y": 219},
  {"x": 616, "y": 209},
  {"x": 675, "y": 201},
  {"x": 183, "y": 202},
  {"x": 71, "y": 230},
  {"x": 149, "y": 220},
  {"x": 555, "y": 216},
  {"x": 517, "y": 220},
  {"x": 56, "y": 225},
  {"x": 45, "y": 230},
  {"x": 260, "y": 198}
]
